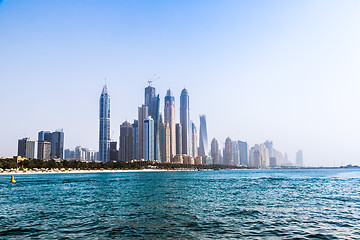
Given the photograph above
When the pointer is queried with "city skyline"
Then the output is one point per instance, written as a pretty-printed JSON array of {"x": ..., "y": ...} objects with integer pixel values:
[{"x": 282, "y": 77}]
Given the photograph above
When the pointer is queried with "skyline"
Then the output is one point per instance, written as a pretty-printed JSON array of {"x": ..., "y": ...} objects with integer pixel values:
[{"x": 303, "y": 70}]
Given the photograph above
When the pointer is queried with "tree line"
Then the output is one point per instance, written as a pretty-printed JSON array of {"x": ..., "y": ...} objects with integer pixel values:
[{"x": 65, "y": 164}]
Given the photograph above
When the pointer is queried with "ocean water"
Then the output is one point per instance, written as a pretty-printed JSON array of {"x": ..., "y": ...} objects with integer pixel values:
[{"x": 233, "y": 204}]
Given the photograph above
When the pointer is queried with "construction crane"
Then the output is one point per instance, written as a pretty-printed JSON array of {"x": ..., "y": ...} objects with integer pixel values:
[{"x": 153, "y": 79}]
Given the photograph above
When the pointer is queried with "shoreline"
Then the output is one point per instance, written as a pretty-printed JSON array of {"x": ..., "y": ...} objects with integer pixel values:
[{"x": 14, "y": 172}]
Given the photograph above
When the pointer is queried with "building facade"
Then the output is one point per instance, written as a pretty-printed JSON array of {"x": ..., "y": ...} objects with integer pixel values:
[
  {"x": 126, "y": 142},
  {"x": 169, "y": 117},
  {"x": 26, "y": 148},
  {"x": 203, "y": 140},
  {"x": 148, "y": 139},
  {"x": 215, "y": 151},
  {"x": 185, "y": 121},
  {"x": 104, "y": 126}
]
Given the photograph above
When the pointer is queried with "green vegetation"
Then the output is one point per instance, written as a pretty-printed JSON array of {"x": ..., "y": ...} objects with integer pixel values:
[{"x": 52, "y": 164}]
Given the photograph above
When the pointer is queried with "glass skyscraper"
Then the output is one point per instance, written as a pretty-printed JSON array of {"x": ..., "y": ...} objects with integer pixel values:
[
  {"x": 185, "y": 122},
  {"x": 104, "y": 128},
  {"x": 203, "y": 140}
]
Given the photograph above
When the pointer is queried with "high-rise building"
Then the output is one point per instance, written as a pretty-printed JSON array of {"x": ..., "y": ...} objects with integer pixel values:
[
  {"x": 44, "y": 150},
  {"x": 185, "y": 122},
  {"x": 143, "y": 114},
  {"x": 44, "y": 136},
  {"x": 215, "y": 151},
  {"x": 243, "y": 149},
  {"x": 203, "y": 140},
  {"x": 178, "y": 138},
  {"x": 26, "y": 148},
  {"x": 236, "y": 153},
  {"x": 148, "y": 139},
  {"x": 269, "y": 145},
  {"x": 135, "y": 126},
  {"x": 114, "y": 152},
  {"x": 265, "y": 158},
  {"x": 194, "y": 143},
  {"x": 57, "y": 144},
  {"x": 69, "y": 154},
  {"x": 149, "y": 94},
  {"x": 169, "y": 117},
  {"x": 154, "y": 112},
  {"x": 228, "y": 152},
  {"x": 299, "y": 158},
  {"x": 164, "y": 142},
  {"x": 104, "y": 128},
  {"x": 126, "y": 142}
]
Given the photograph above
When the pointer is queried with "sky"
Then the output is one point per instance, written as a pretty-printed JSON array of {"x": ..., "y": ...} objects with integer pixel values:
[{"x": 286, "y": 71}]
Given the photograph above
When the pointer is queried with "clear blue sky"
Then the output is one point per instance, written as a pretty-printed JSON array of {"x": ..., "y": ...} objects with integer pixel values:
[{"x": 286, "y": 71}]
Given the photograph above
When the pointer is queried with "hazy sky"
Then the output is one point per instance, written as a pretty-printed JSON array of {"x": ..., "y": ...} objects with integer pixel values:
[{"x": 287, "y": 71}]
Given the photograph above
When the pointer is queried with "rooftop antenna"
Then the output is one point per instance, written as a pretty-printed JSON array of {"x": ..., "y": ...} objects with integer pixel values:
[
  {"x": 153, "y": 78},
  {"x": 105, "y": 81}
]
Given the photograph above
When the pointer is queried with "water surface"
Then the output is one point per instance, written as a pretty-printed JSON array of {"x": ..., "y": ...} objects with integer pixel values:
[{"x": 259, "y": 204}]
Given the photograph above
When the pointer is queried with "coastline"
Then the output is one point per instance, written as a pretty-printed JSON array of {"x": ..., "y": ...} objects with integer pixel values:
[{"x": 18, "y": 172}]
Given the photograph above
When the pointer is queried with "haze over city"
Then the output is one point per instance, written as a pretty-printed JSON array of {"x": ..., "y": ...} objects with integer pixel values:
[{"x": 280, "y": 71}]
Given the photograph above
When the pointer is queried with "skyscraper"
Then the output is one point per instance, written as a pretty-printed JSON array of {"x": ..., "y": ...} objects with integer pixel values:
[
  {"x": 57, "y": 144},
  {"x": 185, "y": 121},
  {"x": 194, "y": 143},
  {"x": 299, "y": 158},
  {"x": 143, "y": 114},
  {"x": 135, "y": 126},
  {"x": 236, "y": 153},
  {"x": 215, "y": 151},
  {"x": 26, "y": 148},
  {"x": 44, "y": 150},
  {"x": 104, "y": 128},
  {"x": 228, "y": 152},
  {"x": 243, "y": 149},
  {"x": 203, "y": 140},
  {"x": 148, "y": 139},
  {"x": 269, "y": 145},
  {"x": 178, "y": 139},
  {"x": 126, "y": 142},
  {"x": 154, "y": 112},
  {"x": 169, "y": 117},
  {"x": 164, "y": 142}
]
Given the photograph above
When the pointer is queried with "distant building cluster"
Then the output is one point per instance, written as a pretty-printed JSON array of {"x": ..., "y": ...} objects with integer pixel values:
[{"x": 157, "y": 136}]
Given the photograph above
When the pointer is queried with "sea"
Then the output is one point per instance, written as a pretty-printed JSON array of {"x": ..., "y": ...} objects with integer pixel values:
[{"x": 225, "y": 204}]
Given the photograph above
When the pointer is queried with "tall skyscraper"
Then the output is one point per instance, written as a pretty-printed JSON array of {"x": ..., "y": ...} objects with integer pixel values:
[
  {"x": 104, "y": 128},
  {"x": 44, "y": 150},
  {"x": 126, "y": 142},
  {"x": 26, "y": 148},
  {"x": 135, "y": 126},
  {"x": 228, "y": 152},
  {"x": 148, "y": 138},
  {"x": 215, "y": 151},
  {"x": 236, "y": 153},
  {"x": 185, "y": 121},
  {"x": 149, "y": 94},
  {"x": 299, "y": 158},
  {"x": 203, "y": 140},
  {"x": 164, "y": 142},
  {"x": 154, "y": 112},
  {"x": 269, "y": 145},
  {"x": 178, "y": 139},
  {"x": 194, "y": 143},
  {"x": 169, "y": 115},
  {"x": 57, "y": 144},
  {"x": 243, "y": 149},
  {"x": 143, "y": 114}
]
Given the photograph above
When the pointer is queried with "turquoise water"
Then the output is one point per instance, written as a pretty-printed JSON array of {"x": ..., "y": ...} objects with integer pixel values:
[{"x": 260, "y": 204}]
